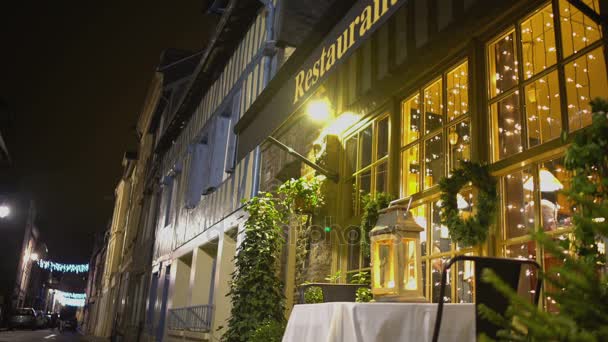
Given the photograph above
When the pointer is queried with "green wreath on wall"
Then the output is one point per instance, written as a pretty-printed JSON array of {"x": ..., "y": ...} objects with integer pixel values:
[{"x": 472, "y": 230}]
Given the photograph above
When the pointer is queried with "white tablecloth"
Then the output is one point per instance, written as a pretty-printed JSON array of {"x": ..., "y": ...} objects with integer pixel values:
[{"x": 366, "y": 322}]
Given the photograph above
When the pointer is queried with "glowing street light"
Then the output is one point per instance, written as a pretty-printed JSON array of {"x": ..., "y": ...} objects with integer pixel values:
[
  {"x": 5, "y": 210},
  {"x": 319, "y": 110}
]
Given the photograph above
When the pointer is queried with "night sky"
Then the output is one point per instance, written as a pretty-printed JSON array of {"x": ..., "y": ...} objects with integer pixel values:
[{"x": 76, "y": 74}]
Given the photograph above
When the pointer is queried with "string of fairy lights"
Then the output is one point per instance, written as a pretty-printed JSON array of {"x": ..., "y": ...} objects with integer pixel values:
[
  {"x": 64, "y": 268},
  {"x": 70, "y": 298}
]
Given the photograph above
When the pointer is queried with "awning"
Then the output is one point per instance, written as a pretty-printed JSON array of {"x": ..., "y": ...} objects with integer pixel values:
[{"x": 328, "y": 46}]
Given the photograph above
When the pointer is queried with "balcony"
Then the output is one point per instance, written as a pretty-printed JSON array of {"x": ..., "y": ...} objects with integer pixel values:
[{"x": 193, "y": 318}]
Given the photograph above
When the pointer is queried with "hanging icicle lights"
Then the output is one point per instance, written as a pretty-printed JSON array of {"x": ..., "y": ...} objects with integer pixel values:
[
  {"x": 70, "y": 298},
  {"x": 58, "y": 267}
]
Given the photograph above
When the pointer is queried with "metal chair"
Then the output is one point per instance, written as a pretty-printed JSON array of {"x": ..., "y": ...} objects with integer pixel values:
[{"x": 507, "y": 269}]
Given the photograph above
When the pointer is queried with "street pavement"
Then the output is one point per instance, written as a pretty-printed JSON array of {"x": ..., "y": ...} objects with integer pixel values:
[{"x": 39, "y": 336}]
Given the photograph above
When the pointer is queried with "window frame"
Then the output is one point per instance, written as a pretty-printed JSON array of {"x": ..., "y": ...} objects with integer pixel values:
[
  {"x": 353, "y": 176},
  {"x": 522, "y": 82},
  {"x": 503, "y": 242},
  {"x": 444, "y": 130}
]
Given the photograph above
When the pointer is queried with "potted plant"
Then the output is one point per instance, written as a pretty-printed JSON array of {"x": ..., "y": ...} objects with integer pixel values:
[{"x": 331, "y": 291}]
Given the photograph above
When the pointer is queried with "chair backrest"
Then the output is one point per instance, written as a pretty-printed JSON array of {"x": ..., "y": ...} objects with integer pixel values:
[{"x": 508, "y": 270}]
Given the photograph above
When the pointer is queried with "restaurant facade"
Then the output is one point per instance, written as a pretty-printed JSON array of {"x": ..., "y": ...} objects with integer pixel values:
[
  {"x": 389, "y": 96},
  {"x": 379, "y": 96}
]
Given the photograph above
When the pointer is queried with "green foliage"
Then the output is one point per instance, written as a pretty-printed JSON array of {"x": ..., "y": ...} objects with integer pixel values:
[
  {"x": 372, "y": 204},
  {"x": 269, "y": 331},
  {"x": 333, "y": 278},
  {"x": 255, "y": 289},
  {"x": 302, "y": 195},
  {"x": 581, "y": 288},
  {"x": 364, "y": 295},
  {"x": 472, "y": 230},
  {"x": 361, "y": 278},
  {"x": 313, "y": 295}
]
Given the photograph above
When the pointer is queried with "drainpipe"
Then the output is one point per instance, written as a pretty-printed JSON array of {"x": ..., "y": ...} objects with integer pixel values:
[{"x": 269, "y": 51}]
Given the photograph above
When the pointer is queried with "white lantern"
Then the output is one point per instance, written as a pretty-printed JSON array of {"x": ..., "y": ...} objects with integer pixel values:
[{"x": 395, "y": 257}]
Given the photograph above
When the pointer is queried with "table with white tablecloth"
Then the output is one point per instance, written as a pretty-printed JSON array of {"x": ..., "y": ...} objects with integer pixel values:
[{"x": 367, "y": 322}]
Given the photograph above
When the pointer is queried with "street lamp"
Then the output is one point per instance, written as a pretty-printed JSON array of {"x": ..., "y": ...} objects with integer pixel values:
[{"x": 5, "y": 210}]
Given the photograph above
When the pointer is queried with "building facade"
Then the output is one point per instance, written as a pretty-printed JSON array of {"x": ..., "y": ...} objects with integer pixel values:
[
  {"x": 415, "y": 87},
  {"x": 411, "y": 89}
]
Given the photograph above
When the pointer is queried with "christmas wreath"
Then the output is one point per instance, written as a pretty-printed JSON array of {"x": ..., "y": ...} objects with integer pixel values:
[{"x": 472, "y": 230}]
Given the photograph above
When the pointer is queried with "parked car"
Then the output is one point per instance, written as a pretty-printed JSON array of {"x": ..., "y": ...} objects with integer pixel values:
[
  {"x": 42, "y": 320},
  {"x": 23, "y": 318}
]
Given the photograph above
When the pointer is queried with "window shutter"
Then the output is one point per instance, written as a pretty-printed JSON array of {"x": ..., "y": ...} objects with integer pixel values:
[
  {"x": 232, "y": 138},
  {"x": 197, "y": 175},
  {"x": 218, "y": 141}
]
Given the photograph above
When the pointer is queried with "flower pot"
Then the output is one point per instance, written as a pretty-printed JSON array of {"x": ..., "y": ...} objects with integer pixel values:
[{"x": 332, "y": 292}]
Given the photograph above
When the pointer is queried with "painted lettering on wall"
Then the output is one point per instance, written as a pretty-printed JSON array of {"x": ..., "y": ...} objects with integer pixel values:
[{"x": 357, "y": 29}]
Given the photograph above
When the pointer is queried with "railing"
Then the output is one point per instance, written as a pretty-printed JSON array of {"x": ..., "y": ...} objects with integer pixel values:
[{"x": 193, "y": 318}]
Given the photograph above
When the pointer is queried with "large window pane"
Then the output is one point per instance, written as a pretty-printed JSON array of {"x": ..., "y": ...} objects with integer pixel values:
[
  {"x": 585, "y": 80},
  {"x": 543, "y": 110},
  {"x": 506, "y": 127},
  {"x": 465, "y": 281},
  {"x": 556, "y": 211},
  {"x": 381, "y": 178},
  {"x": 410, "y": 183},
  {"x": 578, "y": 30},
  {"x": 351, "y": 154},
  {"x": 433, "y": 106},
  {"x": 365, "y": 184},
  {"x": 503, "y": 64},
  {"x": 538, "y": 42},
  {"x": 382, "y": 146},
  {"x": 459, "y": 139},
  {"x": 457, "y": 91},
  {"x": 353, "y": 236},
  {"x": 528, "y": 278},
  {"x": 441, "y": 235},
  {"x": 518, "y": 203},
  {"x": 419, "y": 215},
  {"x": 411, "y": 119},
  {"x": 434, "y": 161},
  {"x": 436, "y": 269},
  {"x": 366, "y": 146}
]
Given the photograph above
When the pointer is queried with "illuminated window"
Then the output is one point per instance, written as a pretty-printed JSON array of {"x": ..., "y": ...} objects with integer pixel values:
[
  {"x": 526, "y": 104},
  {"x": 436, "y": 250},
  {"x": 503, "y": 64},
  {"x": 433, "y": 107},
  {"x": 424, "y": 157},
  {"x": 411, "y": 119},
  {"x": 366, "y": 163},
  {"x": 543, "y": 110},
  {"x": 434, "y": 161},
  {"x": 538, "y": 42},
  {"x": 457, "y": 91},
  {"x": 411, "y": 171},
  {"x": 366, "y": 160},
  {"x": 585, "y": 80},
  {"x": 459, "y": 140},
  {"x": 522, "y": 191},
  {"x": 578, "y": 30}
]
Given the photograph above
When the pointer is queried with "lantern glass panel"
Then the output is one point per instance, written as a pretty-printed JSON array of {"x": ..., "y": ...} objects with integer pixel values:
[
  {"x": 410, "y": 274},
  {"x": 383, "y": 266}
]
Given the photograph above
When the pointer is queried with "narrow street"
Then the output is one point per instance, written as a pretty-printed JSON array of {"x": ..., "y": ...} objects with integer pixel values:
[{"x": 39, "y": 335}]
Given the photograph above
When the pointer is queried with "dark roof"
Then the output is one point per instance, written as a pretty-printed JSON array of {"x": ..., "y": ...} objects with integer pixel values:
[
  {"x": 324, "y": 25},
  {"x": 235, "y": 20}
]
